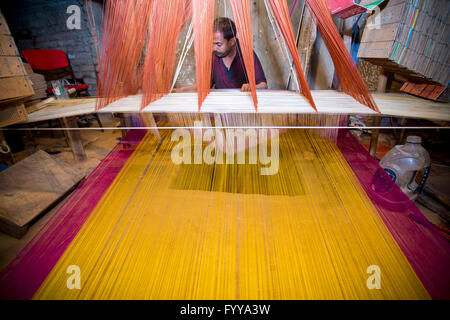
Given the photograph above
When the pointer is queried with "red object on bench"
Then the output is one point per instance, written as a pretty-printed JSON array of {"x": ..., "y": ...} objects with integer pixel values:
[
  {"x": 42, "y": 59},
  {"x": 53, "y": 62},
  {"x": 344, "y": 8}
]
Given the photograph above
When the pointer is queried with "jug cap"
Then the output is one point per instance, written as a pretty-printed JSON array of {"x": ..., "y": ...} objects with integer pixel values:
[{"x": 414, "y": 139}]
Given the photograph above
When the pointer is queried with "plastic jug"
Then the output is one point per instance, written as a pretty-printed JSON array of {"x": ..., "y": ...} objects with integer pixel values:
[{"x": 406, "y": 163}]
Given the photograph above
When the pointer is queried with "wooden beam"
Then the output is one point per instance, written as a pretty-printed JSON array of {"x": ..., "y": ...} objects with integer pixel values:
[
  {"x": 149, "y": 121},
  {"x": 6, "y": 155},
  {"x": 382, "y": 81},
  {"x": 374, "y": 138},
  {"x": 74, "y": 138},
  {"x": 234, "y": 101},
  {"x": 125, "y": 122}
]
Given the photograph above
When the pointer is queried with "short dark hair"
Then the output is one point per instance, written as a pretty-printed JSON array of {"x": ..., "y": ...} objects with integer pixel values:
[{"x": 226, "y": 26}]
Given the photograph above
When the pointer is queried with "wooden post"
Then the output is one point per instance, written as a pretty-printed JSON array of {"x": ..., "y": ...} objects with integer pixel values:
[
  {"x": 402, "y": 131},
  {"x": 382, "y": 81},
  {"x": 149, "y": 121},
  {"x": 335, "y": 81},
  {"x": 5, "y": 155},
  {"x": 2, "y": 137},
  {"x": 125, "y": 122},
  {"x": 374, "y": 138},
  {"x": 74, "y": 138},
  {"x": 30, "y": 143},
  {"x": 347, "y": 29}
]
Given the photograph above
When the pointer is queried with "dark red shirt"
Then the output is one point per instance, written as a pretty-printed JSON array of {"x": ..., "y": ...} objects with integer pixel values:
[{"x": 236, "y": 76}]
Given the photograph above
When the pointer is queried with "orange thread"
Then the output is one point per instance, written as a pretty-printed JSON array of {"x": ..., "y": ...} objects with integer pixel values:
[
  {"x": 349, "y": 77},
  {"x": 241, "y": 15},
  {"x": 203, "y": 20},
  {"x": 166, "y": 23},
  {"x": 124, "y": 34},
  {"x": 281, "y": 14},
  {"x": 140, "y": 38}
]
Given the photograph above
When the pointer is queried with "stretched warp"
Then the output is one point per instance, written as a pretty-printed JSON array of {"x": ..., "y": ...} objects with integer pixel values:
[{"x": 161, "y": 233}]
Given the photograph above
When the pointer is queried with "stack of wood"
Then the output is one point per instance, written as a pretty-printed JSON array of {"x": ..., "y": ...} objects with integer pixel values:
[
  {"x": 410, "y": 38},
  {"x": 15, "y": 85},
  {"x": 39, "y": 100},
  {"x": 39, "y": 86}
]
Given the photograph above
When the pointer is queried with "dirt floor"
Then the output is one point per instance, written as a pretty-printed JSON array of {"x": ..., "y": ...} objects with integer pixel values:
[{"x": 98, "y": 144}]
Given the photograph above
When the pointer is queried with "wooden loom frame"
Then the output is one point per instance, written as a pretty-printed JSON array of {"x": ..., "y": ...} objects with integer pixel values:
[{"x": 234, "y": 101}]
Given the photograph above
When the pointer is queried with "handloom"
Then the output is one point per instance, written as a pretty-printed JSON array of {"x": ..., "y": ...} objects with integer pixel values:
[{"x": 144, "y": 227}]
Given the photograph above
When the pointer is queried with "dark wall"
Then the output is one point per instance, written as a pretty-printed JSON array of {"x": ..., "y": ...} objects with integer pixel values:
[{"x": 43, "y": 25}]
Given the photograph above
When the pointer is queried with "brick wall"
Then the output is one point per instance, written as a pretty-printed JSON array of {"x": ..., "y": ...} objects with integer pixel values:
[{"x": 43, "y": 25}]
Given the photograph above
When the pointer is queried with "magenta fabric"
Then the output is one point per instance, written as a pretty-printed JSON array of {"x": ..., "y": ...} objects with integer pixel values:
[
  {"x": 426, "y": 250},
  {"x": 25, "y": 274}
]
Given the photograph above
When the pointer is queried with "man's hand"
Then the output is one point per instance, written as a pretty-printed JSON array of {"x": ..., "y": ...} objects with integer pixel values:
[
  {"x": 190, "y": 88},
  {"x": 245, "y": 87}
]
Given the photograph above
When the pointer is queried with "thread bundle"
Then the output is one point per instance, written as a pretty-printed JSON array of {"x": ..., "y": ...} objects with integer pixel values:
[{"x": 140, "y": 40}]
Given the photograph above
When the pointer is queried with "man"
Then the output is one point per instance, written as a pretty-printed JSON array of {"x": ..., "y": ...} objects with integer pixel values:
[{"x": 228, "y": 69}]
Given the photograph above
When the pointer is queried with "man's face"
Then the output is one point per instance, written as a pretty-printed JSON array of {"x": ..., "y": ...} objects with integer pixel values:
[{"x": 221, "y": 46}]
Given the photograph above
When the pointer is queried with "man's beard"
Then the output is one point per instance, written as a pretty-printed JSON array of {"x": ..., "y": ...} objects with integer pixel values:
[{"x": 222, "y": 54}]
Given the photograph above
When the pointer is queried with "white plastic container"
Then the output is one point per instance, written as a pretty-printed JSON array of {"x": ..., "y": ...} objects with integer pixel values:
[{"x": 407, "y": 163}]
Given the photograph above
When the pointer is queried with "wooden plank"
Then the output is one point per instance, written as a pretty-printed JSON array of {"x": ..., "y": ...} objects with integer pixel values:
[
  {"x": 394, "y": 67},
  {"x": 386, "y": 16},
  {"x": 4, "y": 29},
  {"x": 15, "y": 87},
  {"x": 12, "y": 114},
  {"x": 39, "y": 86},
  {"x": 8, "y": 46},
  {"x": 387, "y": 33},
  {"x": 28, "y": 69},
  {"x": 425, "y": 90},
  {"x": 234, "y": 101},
  {"x": 11, "y": 67},
  {"x": 74, "y": 138},
  {"x": 29, "y": 187},
  {"x": 382, "y": 81},
  {"x": 372, "y": 50},
  {"x": 38, "y": 105}
]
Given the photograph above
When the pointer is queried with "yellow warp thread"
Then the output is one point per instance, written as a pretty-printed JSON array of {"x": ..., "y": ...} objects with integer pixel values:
[{"x": 149, "y": 240}]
